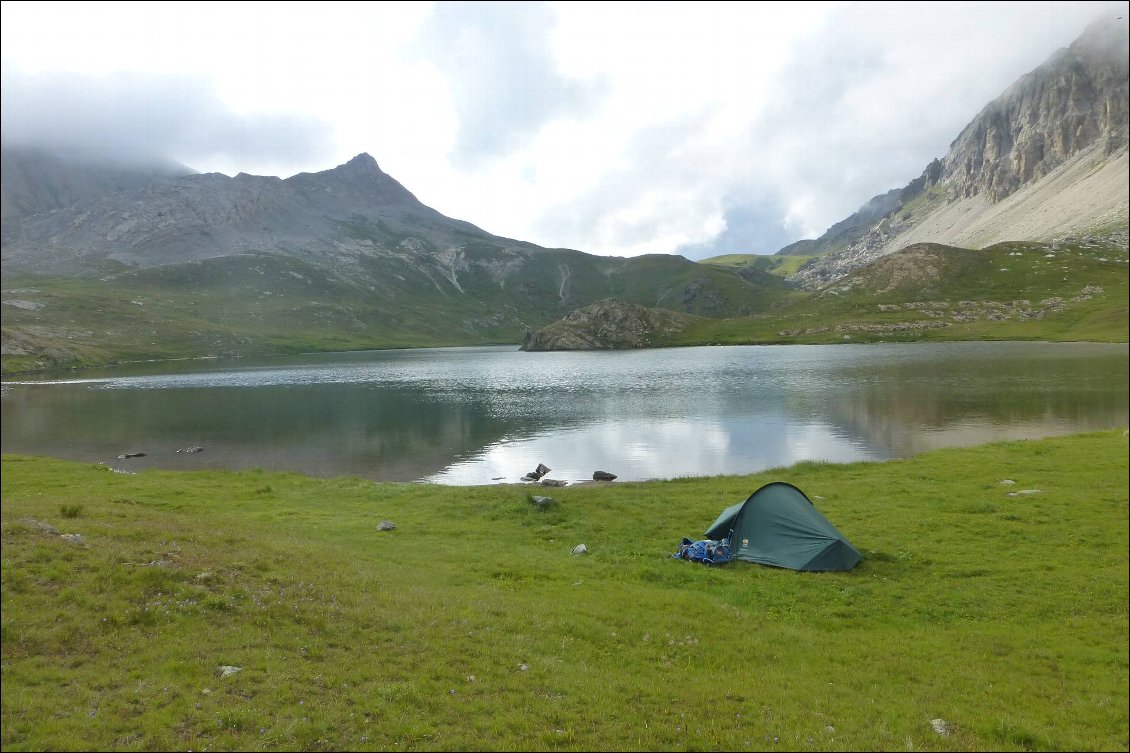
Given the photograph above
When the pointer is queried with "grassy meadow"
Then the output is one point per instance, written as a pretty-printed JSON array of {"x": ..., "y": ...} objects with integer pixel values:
[{"x": 980, "y": 618}]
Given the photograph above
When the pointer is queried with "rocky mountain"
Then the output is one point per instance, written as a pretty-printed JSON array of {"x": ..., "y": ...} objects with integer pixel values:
[
  {"x": 605, "y": 325},
  {"x": 1044, "y": 161},
  {"x": 346, "y": 257},
  {"x": 34, "y": 181},
  {"x": 197, "y": 217}
]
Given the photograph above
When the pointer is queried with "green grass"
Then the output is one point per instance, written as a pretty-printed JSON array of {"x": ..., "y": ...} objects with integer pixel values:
[{"x": 472, "y": 627}]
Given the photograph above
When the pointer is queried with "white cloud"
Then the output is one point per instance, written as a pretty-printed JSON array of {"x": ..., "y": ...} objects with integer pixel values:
[
  {"x": 503, "y": 81},
  {"x": 128, "y": 116},
  {"x": 613, "y": 128}
]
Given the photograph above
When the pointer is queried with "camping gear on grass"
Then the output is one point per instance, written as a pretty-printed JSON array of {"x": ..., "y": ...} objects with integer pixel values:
[
  {"x": 779, "y": 526},
  {"x": 706, "y": 551}
]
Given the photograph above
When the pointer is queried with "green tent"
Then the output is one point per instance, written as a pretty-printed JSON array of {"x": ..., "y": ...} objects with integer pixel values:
[{"x": 779, "y": 526}]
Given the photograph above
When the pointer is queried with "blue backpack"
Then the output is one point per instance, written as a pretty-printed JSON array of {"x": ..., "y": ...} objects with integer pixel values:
[{"x": 707, "y": 551}]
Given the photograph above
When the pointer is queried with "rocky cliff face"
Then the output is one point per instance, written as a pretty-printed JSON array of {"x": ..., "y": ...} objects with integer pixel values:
[
  {"x": 1045, "y": 160},
  {"x": 605, "y": 325},
  {"x": 1076, "y": 98}
]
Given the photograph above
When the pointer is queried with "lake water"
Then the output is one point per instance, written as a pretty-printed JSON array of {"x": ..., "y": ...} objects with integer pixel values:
[{"x": 489, "y": 415}]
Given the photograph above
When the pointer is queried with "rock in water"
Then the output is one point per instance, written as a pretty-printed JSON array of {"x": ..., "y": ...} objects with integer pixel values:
[
  {"x": 537, "y": 473},
  {"x": 603, "y": 476}
]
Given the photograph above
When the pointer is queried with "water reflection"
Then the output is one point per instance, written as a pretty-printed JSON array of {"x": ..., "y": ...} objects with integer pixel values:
[
  {"x": 471, "y": 415},
  {"x": 664, "y": 449}
]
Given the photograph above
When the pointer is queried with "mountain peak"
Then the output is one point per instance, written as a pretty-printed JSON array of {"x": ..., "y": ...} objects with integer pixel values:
[
  {"x": 363, "y": 160},
  {"x": 1109, "y": 31}
]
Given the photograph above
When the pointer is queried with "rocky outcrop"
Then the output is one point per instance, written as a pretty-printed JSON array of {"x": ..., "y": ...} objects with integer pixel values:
[
  {"x": 919, "y": 267},
  {"x": 1044, "y": 161},
  {"x": 605, "y": 325}
]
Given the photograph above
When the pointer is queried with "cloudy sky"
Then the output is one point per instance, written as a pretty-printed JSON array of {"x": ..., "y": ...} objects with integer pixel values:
[{"x": 621, "y": 129}]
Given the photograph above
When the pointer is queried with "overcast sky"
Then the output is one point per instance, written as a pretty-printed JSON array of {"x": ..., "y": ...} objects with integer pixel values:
[{"x": 619, "y": 129}]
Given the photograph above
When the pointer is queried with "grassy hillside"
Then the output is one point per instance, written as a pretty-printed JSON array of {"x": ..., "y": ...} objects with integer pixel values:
[
  {"x": 228, "y": 307},
  {"x": 782, "y": 266},
  {"x": 1010, "y": 291},
  {"x": 255, "y": 304},
  {"x": 999, "y": 610}
]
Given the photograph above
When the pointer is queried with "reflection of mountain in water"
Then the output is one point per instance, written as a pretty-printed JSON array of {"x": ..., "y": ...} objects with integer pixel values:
[
  {"x": 385, "y": 433},
  {"x": 906, "y": 409}
]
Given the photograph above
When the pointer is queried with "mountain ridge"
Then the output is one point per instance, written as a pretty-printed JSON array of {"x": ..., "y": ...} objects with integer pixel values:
[
  {"x": 1068, "y": 116},
  {"x": 33, "y": 180},
  {"x": 207, "y": 215},
  {"x": 345, "y": 258}
]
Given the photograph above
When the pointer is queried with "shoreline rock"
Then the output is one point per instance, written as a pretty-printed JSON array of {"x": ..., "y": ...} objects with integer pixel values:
[{"x": 609, "y": 324}]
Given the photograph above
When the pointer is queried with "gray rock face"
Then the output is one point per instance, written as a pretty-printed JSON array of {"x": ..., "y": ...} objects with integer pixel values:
[
  {"x": 607, "y": 324},
  {"x": 1076, "y": 98}
]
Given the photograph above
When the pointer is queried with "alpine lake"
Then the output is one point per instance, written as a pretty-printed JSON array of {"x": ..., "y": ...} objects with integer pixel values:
[{"x": 487, "y": 415}]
